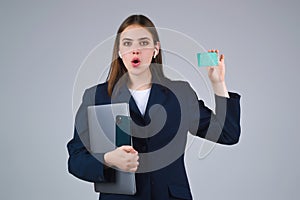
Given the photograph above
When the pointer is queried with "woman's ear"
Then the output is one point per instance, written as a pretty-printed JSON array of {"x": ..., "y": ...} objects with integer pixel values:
[{"x": 156, "y": 49}]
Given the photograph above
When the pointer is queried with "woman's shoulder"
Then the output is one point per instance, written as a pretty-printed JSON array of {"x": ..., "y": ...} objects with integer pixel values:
[
  {"x": 98, "y": 87},
  {"x": 181, "y": 84},
  {"x": 97, "y": 94}
]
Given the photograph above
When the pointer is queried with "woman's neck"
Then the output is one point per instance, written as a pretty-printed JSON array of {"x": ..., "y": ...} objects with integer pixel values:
[{"x": 140, "y": 82}]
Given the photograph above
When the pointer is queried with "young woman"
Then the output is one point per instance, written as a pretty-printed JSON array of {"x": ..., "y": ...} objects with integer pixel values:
[{"x": 163, "y": 111}]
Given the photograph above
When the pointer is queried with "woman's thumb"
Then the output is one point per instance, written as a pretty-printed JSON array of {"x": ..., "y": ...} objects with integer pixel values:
[{"x": 128, "y": 149}]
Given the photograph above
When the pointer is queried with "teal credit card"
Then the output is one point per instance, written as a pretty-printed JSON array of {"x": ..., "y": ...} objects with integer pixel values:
[{"x": 207, "y": 59}]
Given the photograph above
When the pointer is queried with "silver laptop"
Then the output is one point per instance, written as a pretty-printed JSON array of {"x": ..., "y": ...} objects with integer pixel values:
[{"x": 102, "y": 120}]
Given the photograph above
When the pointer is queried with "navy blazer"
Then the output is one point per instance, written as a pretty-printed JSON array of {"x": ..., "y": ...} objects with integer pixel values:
[{"x": 159, "y": 136}]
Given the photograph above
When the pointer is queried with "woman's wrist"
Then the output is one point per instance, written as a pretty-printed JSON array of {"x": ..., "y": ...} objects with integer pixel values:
[
  {"x": 220, "y": 89},
  {"x": 106, "y": 158}
]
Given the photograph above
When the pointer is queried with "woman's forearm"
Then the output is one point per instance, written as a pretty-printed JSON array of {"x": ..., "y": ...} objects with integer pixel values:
[{"x": 220, "y": 89}]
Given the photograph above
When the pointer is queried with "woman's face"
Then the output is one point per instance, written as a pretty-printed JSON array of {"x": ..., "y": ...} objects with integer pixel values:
[{"x": 137, "y": 49}]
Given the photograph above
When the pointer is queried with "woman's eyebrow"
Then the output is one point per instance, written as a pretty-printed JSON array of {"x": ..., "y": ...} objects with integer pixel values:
[
  {"x": 127, "y": 39},
  {"x": 143, "y": 38}
]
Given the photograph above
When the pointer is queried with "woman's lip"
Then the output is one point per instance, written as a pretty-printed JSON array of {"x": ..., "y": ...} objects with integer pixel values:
[
  {"x": 135, "y": 58},
  {"x": 135, "y": 64}
]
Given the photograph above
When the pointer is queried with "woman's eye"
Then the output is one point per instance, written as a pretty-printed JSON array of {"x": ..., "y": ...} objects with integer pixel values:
[
  {"x": 126, "y": 43},
  {"x": 144, "y": 43}
]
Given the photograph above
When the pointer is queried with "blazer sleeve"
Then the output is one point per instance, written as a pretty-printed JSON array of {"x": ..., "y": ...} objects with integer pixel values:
[
  {"x": 223, "y": 126},
  {"x": 82, "y": 163}
]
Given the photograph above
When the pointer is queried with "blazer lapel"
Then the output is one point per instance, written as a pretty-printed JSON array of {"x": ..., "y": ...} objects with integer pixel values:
[
  {"x": 157, "y": 96},
  {"x": 122, "y": 94}
]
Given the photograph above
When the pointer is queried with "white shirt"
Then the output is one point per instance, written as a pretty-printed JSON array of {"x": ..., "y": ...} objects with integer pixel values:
[{"x": 141, "y": 98}]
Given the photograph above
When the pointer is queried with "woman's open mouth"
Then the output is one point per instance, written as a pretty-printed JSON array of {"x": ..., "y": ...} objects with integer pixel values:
[{"x": 135, "y": 62}]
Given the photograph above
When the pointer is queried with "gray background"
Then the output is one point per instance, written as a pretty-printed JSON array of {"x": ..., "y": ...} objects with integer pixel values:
[{"x": 43, "y": 44}]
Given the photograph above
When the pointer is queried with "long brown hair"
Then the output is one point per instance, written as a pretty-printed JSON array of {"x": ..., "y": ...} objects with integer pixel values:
[{"x": 117, "y": 67}]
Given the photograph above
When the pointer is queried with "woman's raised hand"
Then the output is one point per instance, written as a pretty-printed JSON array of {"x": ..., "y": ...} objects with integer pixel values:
[
  {"x": 124, "y": 158},
  {"x": 216, "y": 75}
]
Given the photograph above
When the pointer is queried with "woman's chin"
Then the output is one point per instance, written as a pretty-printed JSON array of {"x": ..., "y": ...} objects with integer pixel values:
[{"x": 139, "y": 70}]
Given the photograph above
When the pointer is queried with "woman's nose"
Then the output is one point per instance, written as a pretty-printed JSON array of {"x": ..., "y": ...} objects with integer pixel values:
[{"x": 136, "y": 51}]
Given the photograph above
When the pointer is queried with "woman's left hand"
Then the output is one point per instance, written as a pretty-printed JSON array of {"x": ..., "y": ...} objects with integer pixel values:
[{"x": 216, "y": 75}]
